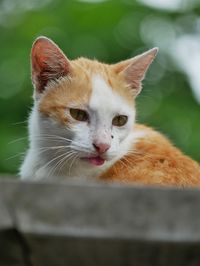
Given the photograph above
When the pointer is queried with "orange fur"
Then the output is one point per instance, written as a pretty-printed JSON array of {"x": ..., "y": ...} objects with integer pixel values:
[
  {"x": 75, "y": 91},
  {"x": 154, "y": 161}
]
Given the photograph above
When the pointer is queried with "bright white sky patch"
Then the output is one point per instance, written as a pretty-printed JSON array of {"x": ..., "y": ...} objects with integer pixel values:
[{"x": 186, "y": 52}]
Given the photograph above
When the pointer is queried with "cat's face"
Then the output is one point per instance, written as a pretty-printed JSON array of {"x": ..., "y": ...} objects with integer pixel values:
[{"x": 88, "y": 103}]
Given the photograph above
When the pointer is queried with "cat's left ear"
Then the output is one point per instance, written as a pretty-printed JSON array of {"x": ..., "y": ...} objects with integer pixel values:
[{"x": 133, "y": 70}]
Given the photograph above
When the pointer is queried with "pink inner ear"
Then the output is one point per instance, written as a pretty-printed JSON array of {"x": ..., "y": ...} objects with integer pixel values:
[
  {"x": 48, "y": 63},
  {"x": 134, "y": 70}
]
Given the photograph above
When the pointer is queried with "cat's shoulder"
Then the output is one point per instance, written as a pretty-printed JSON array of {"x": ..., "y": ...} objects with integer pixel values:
[
  {"x": 152, "y": 142},
  {"x": 146, "y": 133}
]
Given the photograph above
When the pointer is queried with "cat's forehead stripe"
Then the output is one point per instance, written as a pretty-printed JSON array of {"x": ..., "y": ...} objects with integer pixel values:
[
  {"x": 105, "y": 97},
  {"x": 101, "y": 92}
]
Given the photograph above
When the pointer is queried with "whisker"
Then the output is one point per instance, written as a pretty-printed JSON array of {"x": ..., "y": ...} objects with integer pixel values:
[
  {"x": 51, "y": 161},
  {"x": 56, "y": 138},
  {"x": 51, "y": 147},
  {"x": 53, "y": 169},
  {"x": 136, "y": 153},
  {"x": 64, "y": 161},
  {"x": 121, "y": 161},
  {"x": 16, "y": 140},
  {"x": 126, "y": 160},
  {"x": 19, "y": 123},
  {"x": 61, "y": 163},
  {"x": 15, "y": 156},
  {"x": 43, "y": 150},
  {"x": 52, "y": 135},
  {"x": 60, "y": 138},
  {"x": 83, "y": 149},
  {"x": 73, "y": 161}
]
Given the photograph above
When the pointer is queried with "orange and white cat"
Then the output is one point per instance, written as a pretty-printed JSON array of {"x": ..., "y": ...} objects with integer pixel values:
[{"x": 83, "y": 123}]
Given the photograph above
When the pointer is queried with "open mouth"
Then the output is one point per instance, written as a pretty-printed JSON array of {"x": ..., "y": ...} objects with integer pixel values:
[{"x": 95, "y": 160}]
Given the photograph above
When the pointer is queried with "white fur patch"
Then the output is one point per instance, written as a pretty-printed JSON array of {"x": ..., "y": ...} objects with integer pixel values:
[{"x": 104, "y": 98}]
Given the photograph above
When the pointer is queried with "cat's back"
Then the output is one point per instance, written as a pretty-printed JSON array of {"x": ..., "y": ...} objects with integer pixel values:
[{"x": 152, "y": 159}]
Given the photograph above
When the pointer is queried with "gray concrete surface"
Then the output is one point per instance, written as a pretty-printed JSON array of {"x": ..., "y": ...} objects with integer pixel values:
[{"x": 93, "y": 224}]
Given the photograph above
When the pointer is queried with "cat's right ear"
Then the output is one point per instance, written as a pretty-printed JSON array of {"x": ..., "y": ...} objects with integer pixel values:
[
  {"x": 48, "y": 63},
  {"x": 133, "y": 70}
]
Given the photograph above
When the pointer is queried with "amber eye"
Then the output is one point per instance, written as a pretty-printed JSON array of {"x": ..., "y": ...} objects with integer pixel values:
[
  {"x": 79, "y": 114},
  {"x": 120, "y": 120}
]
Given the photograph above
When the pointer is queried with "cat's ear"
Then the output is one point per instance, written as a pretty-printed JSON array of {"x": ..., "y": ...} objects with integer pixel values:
[
  {"x": 133, "y": 70},
  {"x": 48, "y": 63}
]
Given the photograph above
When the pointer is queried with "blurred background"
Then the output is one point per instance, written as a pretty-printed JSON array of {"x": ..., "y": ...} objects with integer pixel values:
[{"x": 109, "y": 31}]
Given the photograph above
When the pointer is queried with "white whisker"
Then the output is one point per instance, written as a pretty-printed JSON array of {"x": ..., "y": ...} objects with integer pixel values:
[
  {"x": 15, "y": 156},
  {"x": 51, "y": 161},
  {"x": 66, "y": 156},
  {"x": 16, "y": 140},
  {"x": 19, "y": 123},
  {"x": 73, "y": 161}
]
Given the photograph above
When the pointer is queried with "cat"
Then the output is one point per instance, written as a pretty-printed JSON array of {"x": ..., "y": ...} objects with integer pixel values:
[{"x": 82, "y": 124}]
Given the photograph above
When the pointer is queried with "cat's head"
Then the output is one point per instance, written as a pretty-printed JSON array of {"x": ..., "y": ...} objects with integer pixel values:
[{"x": 89, "y": 103}]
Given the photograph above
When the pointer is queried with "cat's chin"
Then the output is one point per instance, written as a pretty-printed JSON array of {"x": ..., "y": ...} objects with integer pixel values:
[{"x": 94, "y": 160}]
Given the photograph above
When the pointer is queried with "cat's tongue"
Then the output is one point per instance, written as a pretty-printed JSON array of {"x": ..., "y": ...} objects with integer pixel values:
[{"x": 96, "y": 160}]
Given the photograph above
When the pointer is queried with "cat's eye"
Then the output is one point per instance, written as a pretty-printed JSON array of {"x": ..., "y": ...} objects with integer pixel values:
[
  {"x": 120, "y": 120},
  {"x": 79, "y": 114}
]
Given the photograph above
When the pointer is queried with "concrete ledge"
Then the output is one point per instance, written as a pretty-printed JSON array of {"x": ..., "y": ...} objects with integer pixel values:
[{"x": 98, "y": 224}]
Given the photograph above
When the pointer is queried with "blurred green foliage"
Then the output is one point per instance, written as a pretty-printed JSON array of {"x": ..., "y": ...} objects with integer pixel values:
[{"x": 107, "y": 30}]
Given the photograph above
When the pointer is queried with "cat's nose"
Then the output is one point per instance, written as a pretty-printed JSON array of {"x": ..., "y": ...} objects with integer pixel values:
[{"x": 101, "y": 147}]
